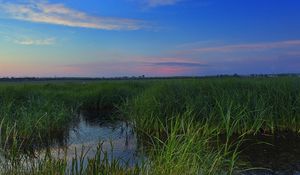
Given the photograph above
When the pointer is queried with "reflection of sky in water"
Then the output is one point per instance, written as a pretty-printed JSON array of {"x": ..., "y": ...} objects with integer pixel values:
[{"x": 117, "y": 138}]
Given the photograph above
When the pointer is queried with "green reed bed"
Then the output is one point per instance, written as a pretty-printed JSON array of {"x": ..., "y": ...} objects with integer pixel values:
[
  {"x": 44, "y": 109},
  {"x": 33, "y": 114},
  {"x": 186, "y": 126},
  {"x": 265, "y": 105},
  {"x": 230, "y": 109}
]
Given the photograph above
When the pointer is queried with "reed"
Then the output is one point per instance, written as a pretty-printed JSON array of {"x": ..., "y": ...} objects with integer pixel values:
[{"x": 186, "y": 126}]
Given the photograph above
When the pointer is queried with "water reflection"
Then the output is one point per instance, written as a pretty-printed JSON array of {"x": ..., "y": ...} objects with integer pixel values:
[{"x": 91, "y": 128}]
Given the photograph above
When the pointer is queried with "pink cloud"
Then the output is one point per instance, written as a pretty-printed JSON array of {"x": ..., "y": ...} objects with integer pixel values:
[
  {"x": 163, "y": 71},
  {"x": 171, "y": 66},
  {"x": 154, "y": 66},
  {"x": 41, "y": 70}
]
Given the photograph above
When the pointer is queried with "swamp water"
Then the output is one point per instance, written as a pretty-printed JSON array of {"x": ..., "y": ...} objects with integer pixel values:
[
  {"x": 91, "y": 129},
  {"x": 262, "y": 155},
  {"x": 272, "y": 155}
]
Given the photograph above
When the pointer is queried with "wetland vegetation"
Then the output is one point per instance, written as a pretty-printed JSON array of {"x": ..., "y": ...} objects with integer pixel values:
[{"x": 226, "y": 125}]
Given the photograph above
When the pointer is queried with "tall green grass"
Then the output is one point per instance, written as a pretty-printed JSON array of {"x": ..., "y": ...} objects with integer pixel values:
[
  {"x": 259, "y": 105},
  {"x": 186, "y": 126},
  {"x": 46, "y": 110},
  {"x": 229, "y": 109}
]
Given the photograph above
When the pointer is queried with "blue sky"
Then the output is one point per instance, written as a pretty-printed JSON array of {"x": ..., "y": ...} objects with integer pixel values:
[{"x": 148, "y": 37}]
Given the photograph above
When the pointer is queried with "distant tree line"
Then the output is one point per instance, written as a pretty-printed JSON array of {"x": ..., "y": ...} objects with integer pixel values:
[{"x": 20, "y": 79}]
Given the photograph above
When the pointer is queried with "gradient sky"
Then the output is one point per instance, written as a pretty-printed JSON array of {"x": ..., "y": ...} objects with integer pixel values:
[{"x": 107, "y": 38}]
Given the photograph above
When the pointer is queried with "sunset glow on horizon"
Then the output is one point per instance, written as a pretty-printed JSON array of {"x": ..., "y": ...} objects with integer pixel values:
[{"x": 109, "y": 38}]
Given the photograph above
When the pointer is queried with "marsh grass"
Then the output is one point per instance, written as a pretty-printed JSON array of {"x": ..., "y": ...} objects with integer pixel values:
[
  {"x": 230, "y": 110},
  {"x": 187, "y": 126}
]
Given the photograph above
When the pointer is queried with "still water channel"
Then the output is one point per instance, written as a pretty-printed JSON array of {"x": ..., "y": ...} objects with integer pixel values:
[{"x": 88, "y": 130}]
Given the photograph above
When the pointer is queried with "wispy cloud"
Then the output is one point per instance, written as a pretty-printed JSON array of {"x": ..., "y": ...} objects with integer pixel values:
[
  {"x": 247, "y": 58},
  {"x": 38, "y": 42},
  {"x": 59, "y": 14},
  {"x": 156, "y": 3},
  {"x": 140, "y": 65},
  {"x": 246, "y": 47},
  {"x": 171, "y": 66},
  {"x": 179, "y": 64}
]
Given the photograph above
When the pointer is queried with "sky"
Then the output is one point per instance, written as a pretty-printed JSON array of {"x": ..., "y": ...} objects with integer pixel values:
[{"x": 112, "y": 38}]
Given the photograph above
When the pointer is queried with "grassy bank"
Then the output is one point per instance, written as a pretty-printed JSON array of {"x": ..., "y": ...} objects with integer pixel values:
[{"x": 188, "y": 126}]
